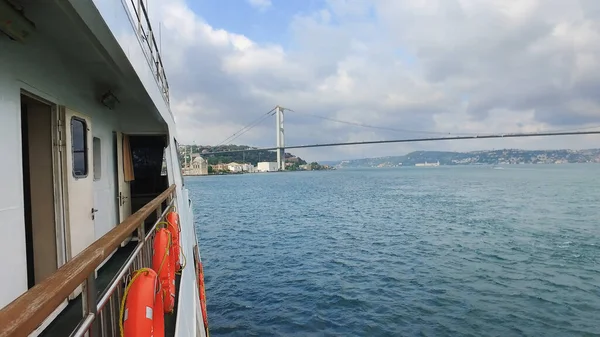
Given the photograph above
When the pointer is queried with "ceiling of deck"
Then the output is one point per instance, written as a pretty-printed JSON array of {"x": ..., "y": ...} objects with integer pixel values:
[{"x": 60, "y": 25}]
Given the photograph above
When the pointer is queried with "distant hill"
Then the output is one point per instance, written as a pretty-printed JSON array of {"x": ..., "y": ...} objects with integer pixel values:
[
  {"x": 240, "y": 157},
  {"x": 493, "y": 157}
]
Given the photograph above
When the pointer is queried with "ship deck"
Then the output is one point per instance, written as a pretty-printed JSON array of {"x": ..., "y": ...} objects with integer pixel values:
[
  {"x": 95, "y": 62},
  {"x": 67, "y": 321}
]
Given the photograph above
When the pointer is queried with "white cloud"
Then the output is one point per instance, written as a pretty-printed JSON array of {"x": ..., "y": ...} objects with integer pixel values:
[
  {"x": 260, "y": 4},
  {"x": 463, "y": 66}
]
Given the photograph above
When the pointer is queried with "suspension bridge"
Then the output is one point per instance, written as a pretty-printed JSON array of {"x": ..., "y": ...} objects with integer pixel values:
[{"x": 280, "y": 146}]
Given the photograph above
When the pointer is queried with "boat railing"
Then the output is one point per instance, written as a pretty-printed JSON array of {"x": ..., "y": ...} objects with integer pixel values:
[
  {"x": 101, "y": 315},
  {"x": 138, "y": 14}
]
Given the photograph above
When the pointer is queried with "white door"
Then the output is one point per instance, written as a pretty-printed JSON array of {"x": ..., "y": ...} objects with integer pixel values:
[
  {"x": 124, "y": 192},
  {"x": 123, "y": 189},
  {"x": 80, "y": 182}
]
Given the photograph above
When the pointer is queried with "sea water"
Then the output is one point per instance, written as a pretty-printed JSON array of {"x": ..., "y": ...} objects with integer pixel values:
[{"x": 441, "y": 251}]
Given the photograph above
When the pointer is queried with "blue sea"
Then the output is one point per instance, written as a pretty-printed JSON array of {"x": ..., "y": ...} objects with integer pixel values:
[{"x": 441, "y": 251}]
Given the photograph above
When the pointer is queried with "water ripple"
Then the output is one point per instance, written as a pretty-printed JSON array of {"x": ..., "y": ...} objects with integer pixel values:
[{"x": 408, "y": 252}]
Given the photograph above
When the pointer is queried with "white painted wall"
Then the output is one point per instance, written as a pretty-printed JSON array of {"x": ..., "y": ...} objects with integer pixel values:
[
  {"x": 266, "y": 166},
  {"x": 105, "y": 190},
  {"x": 36, "y": 67},
  {"x": 117, "y": 19},
  {"x": 12, "y": 240},
  {"x": 187, "y": 323}
]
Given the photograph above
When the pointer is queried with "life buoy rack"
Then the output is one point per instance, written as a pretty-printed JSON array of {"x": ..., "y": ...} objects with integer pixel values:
[
  {"x": 173, "y": 227},
  {"x": 140, "y": 315},
  {"x": 163, "y": 265},
  {"x": 202, "y": 295}
]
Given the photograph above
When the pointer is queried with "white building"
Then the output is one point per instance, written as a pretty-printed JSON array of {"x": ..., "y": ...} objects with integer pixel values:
[
  {"x": 248, "y": 168},
  {"x": 199, "y": 167},
  {"x": 235, "y": 167},
  {"x": 426, "y": 164},
  {"x": 266, "y": 166}
]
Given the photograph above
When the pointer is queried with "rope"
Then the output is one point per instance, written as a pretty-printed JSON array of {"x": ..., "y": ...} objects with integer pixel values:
[
  {"x": 172, "y": 225},
  {"x": 178, "y": 228},
  {"x": 166, "y": 252},
  {"x": 183, "y": 264},
  {"x": 122, "y": 308},
  {"x": 170, "y": 244},
  {"x": 162, "y": 222}
]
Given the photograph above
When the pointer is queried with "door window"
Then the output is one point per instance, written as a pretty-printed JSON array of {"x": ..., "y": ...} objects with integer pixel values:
[
  {"x": 97, "y": 153},
  {"x": 79, "y": 147}
]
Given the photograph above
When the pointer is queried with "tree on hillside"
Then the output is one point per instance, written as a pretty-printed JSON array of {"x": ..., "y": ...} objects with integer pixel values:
[{"x": 252, "y": 157}]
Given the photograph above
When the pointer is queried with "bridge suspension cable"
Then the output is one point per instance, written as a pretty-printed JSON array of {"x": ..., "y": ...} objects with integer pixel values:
[
  {"x": 448, "y": 135},
  {"x": 415, "y": 140},
  {"x": 248, "y": 127},
  {"x": 385, "y": 127},
  {"x": 428, "y": 132}
]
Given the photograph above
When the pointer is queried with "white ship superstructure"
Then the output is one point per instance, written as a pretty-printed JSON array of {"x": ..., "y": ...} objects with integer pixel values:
[{"x": 85, "y": 129}]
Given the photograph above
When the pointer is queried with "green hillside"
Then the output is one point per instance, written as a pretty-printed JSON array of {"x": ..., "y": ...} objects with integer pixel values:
[
  {"x": 252, "y": 157},
  {"x": 492, "y": 157}
]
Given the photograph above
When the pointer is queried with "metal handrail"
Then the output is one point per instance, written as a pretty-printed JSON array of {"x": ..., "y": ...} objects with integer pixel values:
[
  {"x": 23, "y": 315},
  {"x": 84, "y": 326},
  {"x": 156, "y": 65},
  {"x": 153, "y": 40},
  {"x": 117, "y": 280},
  {"x": 104, "y": 297}
]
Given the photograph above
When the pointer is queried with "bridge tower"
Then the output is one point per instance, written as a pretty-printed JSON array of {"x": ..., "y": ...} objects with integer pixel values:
[{"x": 280, "y": 138}]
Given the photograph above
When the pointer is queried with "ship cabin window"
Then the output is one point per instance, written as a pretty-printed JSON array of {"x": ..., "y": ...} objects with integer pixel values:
[
  {"x": 79, "y": 147},
  {"x": 97, "y": 153}
]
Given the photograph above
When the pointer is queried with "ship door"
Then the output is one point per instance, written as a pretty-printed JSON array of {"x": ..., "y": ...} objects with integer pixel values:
[
  {"x": 38, "y": 190},
  {"x": 80, "y": 182},
  {"x": 123, "y": 162},
  {"x": 123, "y": 151},
  {"x": 42, "y": 193}
]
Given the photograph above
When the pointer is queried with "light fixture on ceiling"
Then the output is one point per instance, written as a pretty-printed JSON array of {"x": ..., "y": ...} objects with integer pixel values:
[
  {"x": 109, "y": 100},
  {"x": 13, "y": 23}
]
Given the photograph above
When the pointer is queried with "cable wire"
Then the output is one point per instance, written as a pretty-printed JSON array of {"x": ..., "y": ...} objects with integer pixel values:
[
  {"x": 248, "y": 127},
  {"x": 384, "y": 127},
  {"x": 427, "y": 132}
]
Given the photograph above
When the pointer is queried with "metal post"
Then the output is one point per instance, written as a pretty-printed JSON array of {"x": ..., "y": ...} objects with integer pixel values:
[
  {"x": 88, "y": 298},
  {"x": 282, "y": 142},
  {"x": 139, "y": 12},
  {"x": 185, "y": 156},
  {"x": 277, "y": 128},
  {"x": 280, "y": 139},
  {"x": 158, "y": 211},
  {"x": 141, "y": 232}
]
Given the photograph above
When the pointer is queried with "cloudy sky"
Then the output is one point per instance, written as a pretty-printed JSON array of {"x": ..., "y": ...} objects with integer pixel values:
[{"x": 424, "y": 66}]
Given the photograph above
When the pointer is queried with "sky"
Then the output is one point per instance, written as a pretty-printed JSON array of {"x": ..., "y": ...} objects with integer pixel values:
[{"x": 422, "y": 67}]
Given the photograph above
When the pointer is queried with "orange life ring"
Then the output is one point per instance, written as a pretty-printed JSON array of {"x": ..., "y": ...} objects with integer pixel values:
[
  {"x": 202, "y": 295},
  {"x": 138, "y": 313},
  {"x": 173, "y": 221},
  {"x": 163, "y": 266}
]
